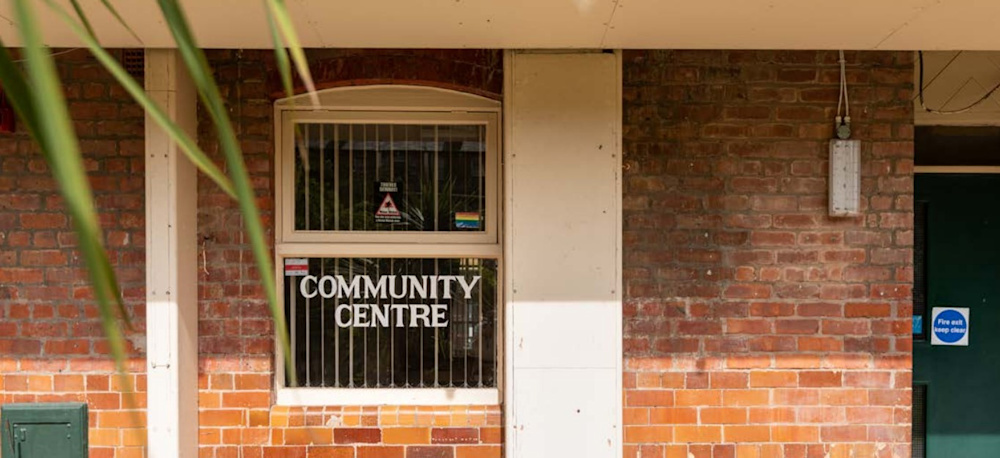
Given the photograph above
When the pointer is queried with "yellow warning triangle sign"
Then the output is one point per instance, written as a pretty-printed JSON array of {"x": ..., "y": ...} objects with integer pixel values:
[{"x": 388, "y": 207}]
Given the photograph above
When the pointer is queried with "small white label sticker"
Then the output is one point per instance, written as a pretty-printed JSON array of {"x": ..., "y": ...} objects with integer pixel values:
[{"x": 296, "y": 267}]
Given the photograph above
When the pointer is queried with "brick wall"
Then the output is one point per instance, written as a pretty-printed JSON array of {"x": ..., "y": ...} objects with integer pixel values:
[
  {"x": 755, "y": 325},
  {"x": 52, "y": 346},
  {"x": 51, "y": 343},
  {"x": 476, "y": 71},
  {"x": 236, "y": 342}
]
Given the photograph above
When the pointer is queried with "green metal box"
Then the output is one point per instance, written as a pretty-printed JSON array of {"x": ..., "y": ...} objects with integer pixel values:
[{"x": 55, "y": 430}]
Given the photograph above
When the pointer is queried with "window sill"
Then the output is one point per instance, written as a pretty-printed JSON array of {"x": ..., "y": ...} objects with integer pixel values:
[{"x": 319, "y": 397}]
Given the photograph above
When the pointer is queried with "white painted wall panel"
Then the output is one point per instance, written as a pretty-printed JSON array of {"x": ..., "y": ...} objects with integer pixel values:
[
  {"x": 561, "y": 422},
  {"x": 566, "y": 335},
  {"x": 171, "y": 260},
  {"x": 565, "y": 136},
  {"x": 563, "y": 254}
]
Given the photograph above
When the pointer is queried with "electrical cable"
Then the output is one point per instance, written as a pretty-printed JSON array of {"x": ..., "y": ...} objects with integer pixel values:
[
  {"x": 940, "y": 72},
  {"x": 840, "y": 100},
  {"x": 843, "y": 83},
  {"x": 844, "y": 96},
  {"x": 842, "y": 125},
  {"x": 920, "y": 93}
]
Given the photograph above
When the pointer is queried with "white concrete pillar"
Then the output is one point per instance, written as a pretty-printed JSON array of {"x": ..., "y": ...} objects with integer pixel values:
[
  {"x": 563, "y": 245},
  {"x": 171, "y": 266}
]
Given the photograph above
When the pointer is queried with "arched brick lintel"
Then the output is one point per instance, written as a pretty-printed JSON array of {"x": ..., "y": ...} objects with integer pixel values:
[
  {"x": 393, "y": 81},
  {"x": 478, "y": 72}
]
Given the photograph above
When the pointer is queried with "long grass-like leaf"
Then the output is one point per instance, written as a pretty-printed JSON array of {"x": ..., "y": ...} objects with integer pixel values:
[
  {"x": 57, "y": 137},
  {"x": 17, "y": 92},
  {"x": 114, "y": 12},
  {"x": 184, "y": 141},
  {"x": 82, "y": 16},
  {"x": 200, "y": 72},
  {"x": 281, "y": 18},
  {"x": 285, "y": 70},
  {"x": 111, "y": 9},
  {"x": 281, "y": 57}
]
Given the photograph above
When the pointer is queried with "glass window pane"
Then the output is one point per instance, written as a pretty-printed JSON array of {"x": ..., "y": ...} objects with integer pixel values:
[
  {"x": 390, "y": 177},
  {"x": 393, "y": 323}
]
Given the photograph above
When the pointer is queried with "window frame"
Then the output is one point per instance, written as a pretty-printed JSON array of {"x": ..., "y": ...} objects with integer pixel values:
[
  {"x": 287, "y": 165},
  {"x": 387, "y": 104}
]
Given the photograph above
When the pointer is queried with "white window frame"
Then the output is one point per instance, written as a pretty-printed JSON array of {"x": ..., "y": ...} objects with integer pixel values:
[{"x": 387, "y": 105}]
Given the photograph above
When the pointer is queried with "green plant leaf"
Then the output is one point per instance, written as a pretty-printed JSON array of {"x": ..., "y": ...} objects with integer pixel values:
[
  {"x": 82, "y": 16},
  {"x": 201, "y": 75},
  {"x": 111, "y": 9},
  {"x": 114, "y": 12},
  {"x": 17, "y": 92},
  {"x": 285, "y": 70},
  {"x": 280, "y": 17},
  {"x": 57, "y": 138},
  {"x": 184, "y": 141},
  {"x": 281, "y": 57}
]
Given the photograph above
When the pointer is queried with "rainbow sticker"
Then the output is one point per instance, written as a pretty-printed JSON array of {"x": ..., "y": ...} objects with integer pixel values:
[{"x": 467, "y": 220}]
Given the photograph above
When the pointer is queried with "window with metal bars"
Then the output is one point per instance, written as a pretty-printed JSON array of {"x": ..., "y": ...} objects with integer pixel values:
[
  {"x": 389, "y": 245},
  {"x": 438, "y": 172},
  {"x": 365, "y": 339}
]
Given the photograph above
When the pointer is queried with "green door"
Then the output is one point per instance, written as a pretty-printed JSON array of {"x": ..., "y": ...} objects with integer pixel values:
[{"x": 962, "y": 270}]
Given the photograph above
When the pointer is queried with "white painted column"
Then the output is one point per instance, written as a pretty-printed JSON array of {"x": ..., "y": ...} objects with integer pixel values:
[
  {"x": 171, "y": 266},
  {"x": 563, "y": 244}
]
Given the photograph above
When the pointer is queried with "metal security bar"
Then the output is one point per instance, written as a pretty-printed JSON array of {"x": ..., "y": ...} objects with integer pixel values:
[
  {"x": 439, "y": 170},
  {"x": 349, "y": 328},
  {"x": 358, "y": 322}
]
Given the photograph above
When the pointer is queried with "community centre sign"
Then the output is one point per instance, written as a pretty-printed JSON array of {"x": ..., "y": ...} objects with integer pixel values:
[{"x": 426, "y": 298}]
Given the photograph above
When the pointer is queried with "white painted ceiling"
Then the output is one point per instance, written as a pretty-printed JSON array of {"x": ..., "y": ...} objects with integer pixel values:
[
  {"x": 955, "y": 83},
  {"x": 667, "y": 24}
]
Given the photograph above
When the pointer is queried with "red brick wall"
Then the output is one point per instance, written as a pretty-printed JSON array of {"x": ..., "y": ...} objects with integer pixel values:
[
  {"x": 755, "y": 325},
  {"x": 52, "y": 347},
  {"x": 477, "y": 71},
  {"x": 236, "y": 342}
]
